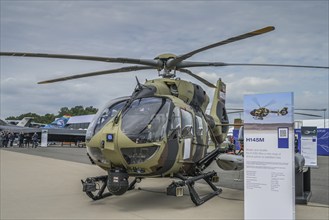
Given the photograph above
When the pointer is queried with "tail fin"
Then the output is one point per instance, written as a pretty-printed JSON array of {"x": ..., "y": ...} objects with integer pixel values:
[
  {"x": 218, "y": 112},
  {"x": 25, "y": 122},
  {"x": 59, "y": 122}
]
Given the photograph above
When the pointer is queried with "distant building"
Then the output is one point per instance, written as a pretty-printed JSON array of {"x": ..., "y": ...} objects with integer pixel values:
[
  {"x": 80, "y": 122},
  {"x": 319, "y": 123}
]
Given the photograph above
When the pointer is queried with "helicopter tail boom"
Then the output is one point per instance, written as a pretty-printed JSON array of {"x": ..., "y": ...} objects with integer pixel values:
[{"x": 218, "y": 114}]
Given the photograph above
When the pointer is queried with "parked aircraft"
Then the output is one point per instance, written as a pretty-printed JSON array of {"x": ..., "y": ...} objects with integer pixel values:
[{"x": 58, "y": 134}]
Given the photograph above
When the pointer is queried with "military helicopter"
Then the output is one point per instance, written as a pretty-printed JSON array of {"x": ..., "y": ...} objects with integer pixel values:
[
  {"x": 262, "y": 111},
  {"x": 162, "y": 129}
]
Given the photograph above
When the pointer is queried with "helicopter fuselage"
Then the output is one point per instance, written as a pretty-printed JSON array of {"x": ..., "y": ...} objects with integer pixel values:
[{"x": 158, "y": 131}]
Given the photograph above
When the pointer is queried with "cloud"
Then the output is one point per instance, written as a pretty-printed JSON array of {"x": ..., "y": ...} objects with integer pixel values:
[{"x": 145, "y": 29}]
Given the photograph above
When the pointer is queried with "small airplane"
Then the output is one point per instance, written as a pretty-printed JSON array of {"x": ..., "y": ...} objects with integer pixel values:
[
  {"x": 10, "y": 125},
  {"x": 309, "y": 132},
  {"x": 58, "y": 122},
  {"x": 55, "y": 133}
]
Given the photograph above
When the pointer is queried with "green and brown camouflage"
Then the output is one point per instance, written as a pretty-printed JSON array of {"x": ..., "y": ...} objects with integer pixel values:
[{"x": 178, "y": 149}]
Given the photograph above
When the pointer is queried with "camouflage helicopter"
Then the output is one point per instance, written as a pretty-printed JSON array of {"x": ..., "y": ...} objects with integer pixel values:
[
  {"x": 262, "y": 112},
  {"x": 162, "y": 129}
]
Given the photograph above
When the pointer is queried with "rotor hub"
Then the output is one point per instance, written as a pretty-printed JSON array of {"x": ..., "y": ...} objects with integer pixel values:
[{"x": 166, "y": 72}]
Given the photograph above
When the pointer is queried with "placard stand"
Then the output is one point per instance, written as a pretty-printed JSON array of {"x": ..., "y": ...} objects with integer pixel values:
[
  {"x": 269, "y": 168},
  {"x": 303, "y": 186}
]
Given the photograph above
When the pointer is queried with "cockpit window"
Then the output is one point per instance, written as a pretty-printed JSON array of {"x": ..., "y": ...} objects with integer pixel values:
[
  {"x": 201, "y": 128},
  {"x": 198, "y": 126},
  {"x": 146, "y": 119},
  {"x": 104, "y": 116},
  {"x": 187, "y": 120},
  {"x": 108, "y": 114},
  {"x": 175, "y": 119}
]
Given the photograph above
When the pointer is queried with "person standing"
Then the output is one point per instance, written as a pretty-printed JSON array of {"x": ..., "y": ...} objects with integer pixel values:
[
  {"x": 1, "y": 139},
  {"x": 27, "y": 139},
  {"x": 5, "y": 139},
  {"x": 11, "y": 137},
  {"x": 35, "y": 140},
  {"x": 20, "y": 139}
]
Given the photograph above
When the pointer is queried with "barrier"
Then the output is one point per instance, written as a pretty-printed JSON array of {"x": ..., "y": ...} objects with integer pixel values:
[{"x": 322, "y": 141}]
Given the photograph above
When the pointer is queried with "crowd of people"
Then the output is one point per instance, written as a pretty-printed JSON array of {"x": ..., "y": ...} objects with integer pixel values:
[{"x": 7, "y": 139}]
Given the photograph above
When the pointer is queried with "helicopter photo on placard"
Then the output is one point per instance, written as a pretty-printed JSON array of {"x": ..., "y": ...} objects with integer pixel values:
[
  {"x": 161, "y": 129},
  {"x": 259, "y": 110},
  {"x": 262, "y": 111}
]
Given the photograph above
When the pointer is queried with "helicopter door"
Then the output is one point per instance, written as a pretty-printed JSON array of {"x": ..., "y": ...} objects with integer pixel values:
[
  {"x": 201, "y": 136},
  {"x": 187, "y": 133}
]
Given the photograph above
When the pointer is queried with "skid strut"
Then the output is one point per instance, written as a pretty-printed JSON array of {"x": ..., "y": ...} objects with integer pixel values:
[
  {"x": 176, "y": 188},
  {"x": 89, "y": 186}
]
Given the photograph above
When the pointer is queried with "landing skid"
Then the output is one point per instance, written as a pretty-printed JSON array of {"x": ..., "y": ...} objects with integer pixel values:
[
  {"x": 176, "y": 188},
  {"x": 89, "y": 186}
]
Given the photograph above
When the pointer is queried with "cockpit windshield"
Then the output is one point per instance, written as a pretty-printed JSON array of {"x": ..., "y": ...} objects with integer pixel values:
[
  {"x": 104, "y": 115},
  {"x": 146, "y": 119}
]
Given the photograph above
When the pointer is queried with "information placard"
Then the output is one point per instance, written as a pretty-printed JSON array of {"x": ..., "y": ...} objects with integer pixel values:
[
  {"x": 309, "y": 145},
  {"x": 269, "y": 156},
  {"x": 44, "y": 138}
]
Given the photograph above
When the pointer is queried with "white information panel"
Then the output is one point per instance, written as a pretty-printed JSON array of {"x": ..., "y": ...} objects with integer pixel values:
[
  {"x": 308, "y": 146},
  {"x": 269, "y": 175},
  {"x": 44, "y": 138}
]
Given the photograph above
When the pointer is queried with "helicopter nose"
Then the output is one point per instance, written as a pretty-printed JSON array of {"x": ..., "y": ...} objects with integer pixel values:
[{"x": 138, "y": 155}]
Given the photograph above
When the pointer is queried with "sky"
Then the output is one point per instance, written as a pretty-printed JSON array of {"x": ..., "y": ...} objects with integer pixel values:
[{"x": 145, "y": 29}]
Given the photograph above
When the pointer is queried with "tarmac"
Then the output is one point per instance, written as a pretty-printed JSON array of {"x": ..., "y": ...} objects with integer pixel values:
[{"x": 37, "y": 187}]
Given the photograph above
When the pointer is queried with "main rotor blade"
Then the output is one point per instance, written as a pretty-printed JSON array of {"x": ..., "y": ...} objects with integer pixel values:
[
  {"x": 148, "y": 62},
  {"x": 270, "y": 103},
  {"x": 120, "y": 70},
  {"x": 238, "y": 109},
  {"x": 197, "y": 77},
  {"x": 318, "y": 116},
  {"x": 297, "y": 113},
  {"x": 235, "y": 112},
  {"x": 311, "y": 109},
  {"x": 180, "y": 58},
  {"x": 185, "y": 64}
]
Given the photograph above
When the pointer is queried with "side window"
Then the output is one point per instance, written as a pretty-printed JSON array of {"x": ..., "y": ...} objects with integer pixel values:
[
  {"x": 175, "y": 119},
  {"x": 187, "y": 121},
  {"x": 198, "y": 126}
]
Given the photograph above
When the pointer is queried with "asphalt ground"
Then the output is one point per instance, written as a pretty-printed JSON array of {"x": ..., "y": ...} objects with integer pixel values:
[
  {"x": 228, "y": 179},
  {"x": 37, "y": 187}
]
